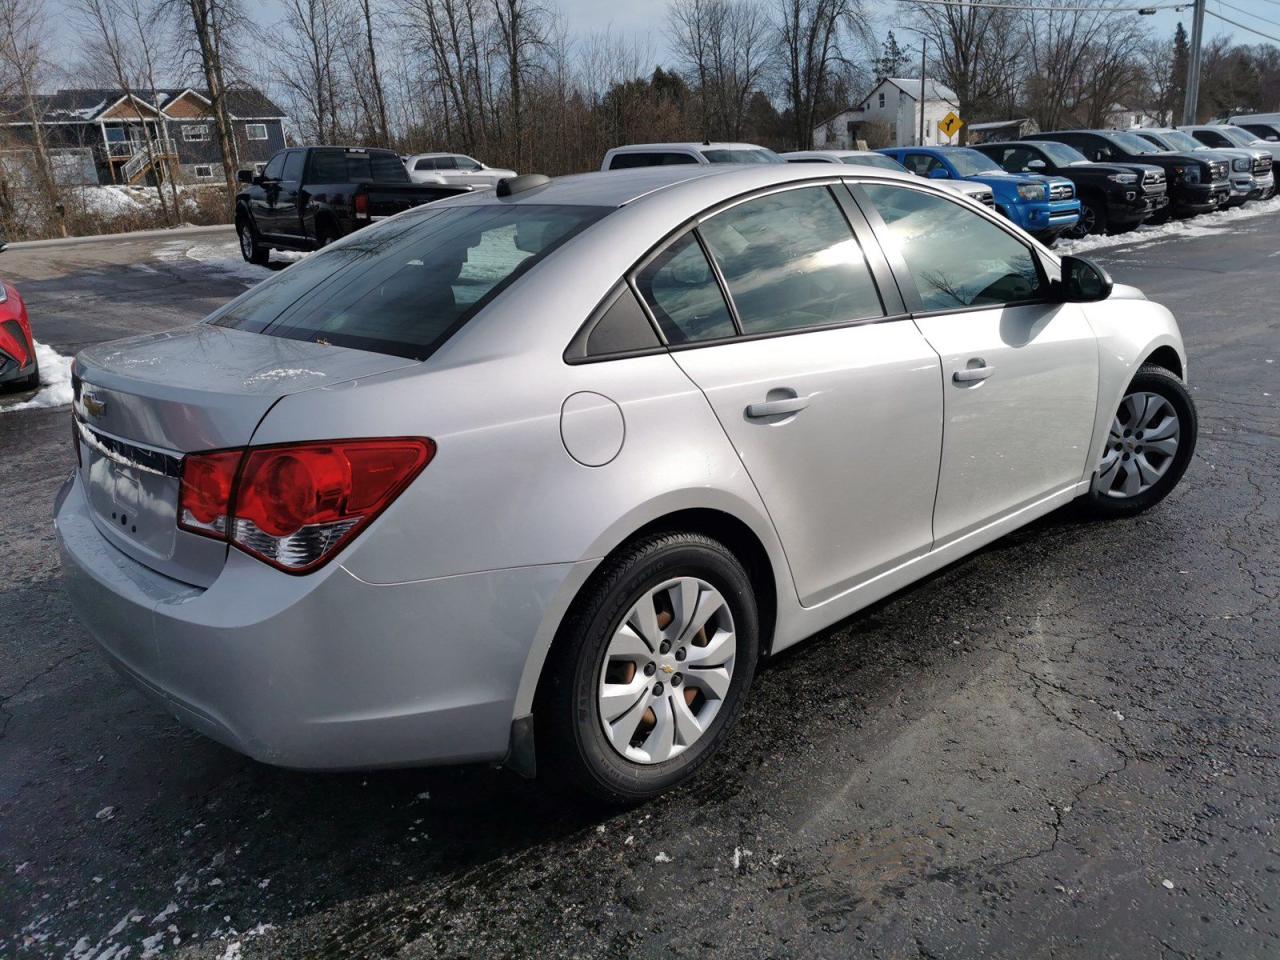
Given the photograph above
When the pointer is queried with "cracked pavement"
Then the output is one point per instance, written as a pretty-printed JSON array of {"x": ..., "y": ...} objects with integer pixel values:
[{"x": 1063, "y": 746}]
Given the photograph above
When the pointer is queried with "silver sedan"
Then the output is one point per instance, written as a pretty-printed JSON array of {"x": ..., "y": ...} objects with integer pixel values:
[{"x": 538, "y": 476}]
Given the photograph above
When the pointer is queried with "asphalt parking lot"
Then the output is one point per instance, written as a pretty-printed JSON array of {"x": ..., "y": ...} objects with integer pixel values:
[{"x": 1066, "y": 745}]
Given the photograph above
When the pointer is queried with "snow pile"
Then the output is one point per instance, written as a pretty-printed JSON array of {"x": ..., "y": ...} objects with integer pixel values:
[
  {"x": 55, "y": 381},
  {"x": 1205, "y": 225},
  {"x": 225, "y": 255}
]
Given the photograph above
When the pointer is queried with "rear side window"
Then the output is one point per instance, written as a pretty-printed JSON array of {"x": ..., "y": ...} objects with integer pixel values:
[
  {"x": 957, "y": 257},
  {"x": 341, "y": 166},
  {"x": 681, "y": 290},
  {"x": 404, "y": 286},
  {"x": 790, "y": 260},
  {"x": 627, "y": 161}
]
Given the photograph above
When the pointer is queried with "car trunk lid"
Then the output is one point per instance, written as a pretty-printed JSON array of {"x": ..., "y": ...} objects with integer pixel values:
[{"x": 141, "y": 404}]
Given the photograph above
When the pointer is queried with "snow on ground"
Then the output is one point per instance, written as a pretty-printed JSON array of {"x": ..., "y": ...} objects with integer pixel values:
[
  {"x": 224, "y": 255},
  {"x": 55, "y": 381},
  {"x": 116, "y": 201},
  {"x": 1205, "y": 225}
]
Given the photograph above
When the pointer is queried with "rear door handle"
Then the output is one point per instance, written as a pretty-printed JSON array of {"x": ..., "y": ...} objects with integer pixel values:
[
  {"x": 776, "y": 408},
  {"x": 973, "y": 374}
]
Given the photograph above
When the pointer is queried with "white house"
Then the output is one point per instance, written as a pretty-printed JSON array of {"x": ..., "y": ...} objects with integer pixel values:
[
  {"x": 894, "y": 104},
  {"x": 1124, "y": 117}
]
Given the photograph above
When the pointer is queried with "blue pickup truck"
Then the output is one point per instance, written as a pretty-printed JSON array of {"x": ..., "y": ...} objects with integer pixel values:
[{"x": 1045, "y": 207}]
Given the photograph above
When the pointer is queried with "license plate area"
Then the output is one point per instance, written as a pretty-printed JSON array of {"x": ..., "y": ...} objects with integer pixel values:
[{"x": 132, "y": 489}]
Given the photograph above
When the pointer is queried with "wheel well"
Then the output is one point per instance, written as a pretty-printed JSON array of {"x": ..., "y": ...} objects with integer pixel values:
[{"x": 1168, "y": 358}]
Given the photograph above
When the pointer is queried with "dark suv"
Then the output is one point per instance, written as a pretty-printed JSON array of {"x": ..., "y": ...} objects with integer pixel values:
[
  {"x": 1196, "y": 185},
  {"x": 1115, "y": 197}
]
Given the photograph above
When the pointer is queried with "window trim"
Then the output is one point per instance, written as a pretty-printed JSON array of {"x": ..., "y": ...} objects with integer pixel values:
[
  {"x": 189, "y": 129},
  {"x": 197, "y": 167},
  {"x": 250, "y": 126},
  {"x": 906, "y": 280},
  {"x": 576, "y": 352},
  {"x": 882, "y": 276}
]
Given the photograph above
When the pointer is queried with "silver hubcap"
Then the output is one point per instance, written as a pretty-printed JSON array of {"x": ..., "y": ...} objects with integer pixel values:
[
  {"x": 246, "y": 242},
  {"x": 667, "y": 670},
  {"x": 1140, "y": 447}
]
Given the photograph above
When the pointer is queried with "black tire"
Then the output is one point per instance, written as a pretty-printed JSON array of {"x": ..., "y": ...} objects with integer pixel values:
[
  {"x": 1093, "y": 218},
  {"x": 251, "y": 246},
  {"x": 572, "y": 746},
  {"x": 1157, "y": 380},
  {"x": 326, "y": 233}
]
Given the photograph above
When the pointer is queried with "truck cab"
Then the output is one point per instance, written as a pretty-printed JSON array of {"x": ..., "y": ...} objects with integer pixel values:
[
  {"x": 1114, "y": 197},
  {"x": 1044, "y": 206}
]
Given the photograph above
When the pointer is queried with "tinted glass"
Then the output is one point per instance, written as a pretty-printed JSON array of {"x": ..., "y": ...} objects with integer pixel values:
[
  {"x": 446, "y": 163},
  {"x": 1262, "y": 130},
  {"x": 466, "y": 163},
  {"x": 1132, "y": 143},
  {"x": 920, "y": 163},
  {"x": 426, "y": 163},
  {"x": 622, "y": 328},
  {"x": 1177, "y": 140},
  {"x": 340, "y": 166},
  {"x": 293, "y": 165},
  {"x": 626, "y": 161},
  {"x": 403, "y": 286},
  {"x": 274, "y": 168},
  {"x": 741, "y": 156},
  {"x": 681, "y": 290},
  {"x": 956, "y": 257},
  {"x": 790, "y": 260}
]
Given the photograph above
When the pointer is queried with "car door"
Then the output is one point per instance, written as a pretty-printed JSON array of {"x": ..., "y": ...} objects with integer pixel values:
[
  {"x": 287, "y": 215},
  {"x": 1019, "y": 371},
  {"x": 792, "y": 327},
  {"x": 262, "y": 200},
  {"x": 447, "y": 168},
  {"x": 470, "y": 172}
]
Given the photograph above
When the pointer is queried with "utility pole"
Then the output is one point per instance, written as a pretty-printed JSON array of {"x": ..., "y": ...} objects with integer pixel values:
[
  {"x": 924, "y": 45},
  {"x": 1193, "y": 67}
]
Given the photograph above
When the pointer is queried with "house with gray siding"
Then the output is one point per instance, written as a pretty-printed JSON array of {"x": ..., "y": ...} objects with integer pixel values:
[{"x": 176, "y": 123}]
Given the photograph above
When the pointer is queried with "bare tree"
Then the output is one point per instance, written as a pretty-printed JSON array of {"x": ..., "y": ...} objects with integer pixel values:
[
  {"x": 311, "y": 41},
  {"x": 209, "y": 23},
  {"x": 103, "y": 18},
  {"x": 520, "y": 34},
  {"x": 810, "y": 34},
  {"x": 724, "y": 48},
  {"x": 375, "y": 78},
  {"x": 24, "y": 38}
]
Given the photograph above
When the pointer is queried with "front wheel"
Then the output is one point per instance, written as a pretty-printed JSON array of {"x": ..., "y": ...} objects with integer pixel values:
[
  {"x": 1149, "y": 445},
  {"x": 650, "y": 670},
  {"x": 251, "y": 247},
  {"x": 1093, "y": 220}
]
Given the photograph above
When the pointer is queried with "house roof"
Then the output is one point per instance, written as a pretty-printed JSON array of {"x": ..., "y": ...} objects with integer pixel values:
[
  {"x": 89, "y": 103},
  {"x": 911, "y": 87}
]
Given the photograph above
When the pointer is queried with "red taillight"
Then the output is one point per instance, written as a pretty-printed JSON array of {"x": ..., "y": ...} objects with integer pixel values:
[
  {"x": 361, "y": 201},
  {"x": 294, "y": 505}
]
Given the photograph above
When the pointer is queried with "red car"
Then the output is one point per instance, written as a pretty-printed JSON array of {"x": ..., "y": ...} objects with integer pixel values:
[{"x": 19, "y": 369}]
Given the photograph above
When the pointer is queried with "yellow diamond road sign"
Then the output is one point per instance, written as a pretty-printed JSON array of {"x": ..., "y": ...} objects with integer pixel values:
[{"x": 950, "y": 125}]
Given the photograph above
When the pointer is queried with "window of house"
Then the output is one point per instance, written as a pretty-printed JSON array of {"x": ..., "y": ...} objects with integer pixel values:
[
  {"x": 203, "y": 171},
  {"x": 195, "y": 131},
  {"x": 882, "y": 100},
  {"x": 791, "y": 261},
  {"x": 255, "y": 131}
]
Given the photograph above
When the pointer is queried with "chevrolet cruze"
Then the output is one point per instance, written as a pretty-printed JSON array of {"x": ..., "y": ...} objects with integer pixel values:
[{"x": 537, "y": 476}]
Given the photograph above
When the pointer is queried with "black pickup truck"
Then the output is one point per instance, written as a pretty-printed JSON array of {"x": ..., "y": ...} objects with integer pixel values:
[
  {"x": 307, "y": 197},
  {"x": 1114, "y": 197},
  {"x": 1196, "y": 184}
]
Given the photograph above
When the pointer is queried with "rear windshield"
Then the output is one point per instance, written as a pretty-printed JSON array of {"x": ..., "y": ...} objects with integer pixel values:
[
  {"x": 342, "y": 166},
  {"x": 404, "y": 286},
  {"x": 742, "y": 156}
]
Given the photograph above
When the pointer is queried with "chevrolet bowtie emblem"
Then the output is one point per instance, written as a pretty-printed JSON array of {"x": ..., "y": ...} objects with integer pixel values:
[
  {"x": 668, "y": 668},
  {"x": 93, "y": 405}
]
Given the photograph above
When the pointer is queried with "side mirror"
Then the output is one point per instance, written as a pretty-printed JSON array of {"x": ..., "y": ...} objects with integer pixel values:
[
  {"x": 1035, "y": 164},
  {"x": 939, "y": 173},
  {"x": 1083, "y": 281},
  {"x": 244, "y": 176}
]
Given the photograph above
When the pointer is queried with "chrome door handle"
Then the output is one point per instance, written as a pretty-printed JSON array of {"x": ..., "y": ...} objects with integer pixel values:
[
  {"x": 776, "y": 408},
  {"x": 973, "y": 374}
]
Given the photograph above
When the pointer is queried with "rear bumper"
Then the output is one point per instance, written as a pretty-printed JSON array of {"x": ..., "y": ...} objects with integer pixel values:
[{"x": 323, "y": 671}]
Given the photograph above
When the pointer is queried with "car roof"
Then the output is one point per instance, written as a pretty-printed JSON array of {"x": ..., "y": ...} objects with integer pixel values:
[
  {"x": 688, "y": 145},
  {"x": 799, "y": 154},
  {"x": 703, "y": 184},
  {"x": 420, "y": 156}
]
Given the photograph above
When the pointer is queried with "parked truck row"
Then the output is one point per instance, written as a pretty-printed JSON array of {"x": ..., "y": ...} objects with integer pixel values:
[{"x": 1052, "y": 184}]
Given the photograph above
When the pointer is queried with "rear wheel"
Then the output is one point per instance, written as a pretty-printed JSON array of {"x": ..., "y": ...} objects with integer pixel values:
[
  {"x": 650, "y": 670},
  {"x": 1150, "y": 443},
  {"x": 251, "y": 247}
]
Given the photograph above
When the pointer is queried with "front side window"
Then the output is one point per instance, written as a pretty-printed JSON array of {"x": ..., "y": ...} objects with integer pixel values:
[
  {"x": 790, "y": 261},
  {"x": 957, "y": 258},
  {"x": 293, "y": 165},
  {"x": 466, "y": 163},
  {"x": 255, "y": 131},
  {"x": 275, "y": 167},
  {"x": 403, "y": 286},
  {"x": 682, "y": 291},
  {"x": 446, "y": 163},
  {"x": 921, "y": 164}
]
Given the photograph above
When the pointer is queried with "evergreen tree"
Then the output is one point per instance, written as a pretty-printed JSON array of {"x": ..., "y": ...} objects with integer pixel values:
[
  {"x": 892, "y": 61},
  {"x": 1181, "y": 57}
]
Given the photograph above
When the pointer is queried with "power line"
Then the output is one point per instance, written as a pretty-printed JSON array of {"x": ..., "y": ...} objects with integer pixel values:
[
  {"x": 1052, "y": 9},
  {"x": 1234, "y": 23},
  {"x": 1249, "y": 13}
]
